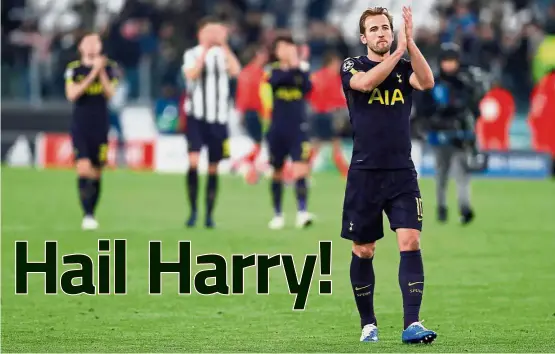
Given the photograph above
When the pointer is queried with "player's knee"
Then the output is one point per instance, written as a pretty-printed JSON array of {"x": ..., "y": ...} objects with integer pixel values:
[
  {"x": 300, "y": 170},
  {"x": 277, "y": 175},
  {"x": 84, "y": 168},
  {"x": 364, "y": 250},
  {"x": 96, "y": 172},
  {"x": 212, "y": 168},
  {"x": 193, "y": 159},
  {"x": 408, "y": 239}
]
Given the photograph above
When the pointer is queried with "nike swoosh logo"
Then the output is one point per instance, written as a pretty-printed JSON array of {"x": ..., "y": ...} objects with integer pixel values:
[
  {"x": 364, "y": 287},
  {"x": 418, "y": 282},
  {"x": 419, "y": 219}
]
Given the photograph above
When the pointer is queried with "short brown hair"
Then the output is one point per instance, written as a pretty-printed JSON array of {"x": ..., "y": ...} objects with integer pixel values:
[
  {"x": 374, "y": 11},
  {"x": 207, "y": 21},
  {"x": 89, "y": 34}
]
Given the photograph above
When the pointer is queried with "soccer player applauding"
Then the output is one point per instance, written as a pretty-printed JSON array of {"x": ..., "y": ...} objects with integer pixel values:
[
  {"x": 90, "y": 83},
  {"x": 382, "y": 178}
]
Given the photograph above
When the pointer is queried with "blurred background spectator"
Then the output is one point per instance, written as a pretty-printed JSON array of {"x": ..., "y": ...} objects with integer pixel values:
[{"x": 511, "y": 39}]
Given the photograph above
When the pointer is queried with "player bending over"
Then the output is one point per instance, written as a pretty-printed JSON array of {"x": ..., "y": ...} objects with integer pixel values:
[
  {"x": 90, "y": 83},
  {"x": 382, "y": 178},
  {"x": 328, "y": 103},
  {"x": 287, "y": 134}
]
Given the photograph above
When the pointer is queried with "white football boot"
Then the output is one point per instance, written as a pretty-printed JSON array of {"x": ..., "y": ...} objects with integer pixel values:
[
  {"x": 89, "y": 223},
  {"x": 277, "y": 222},
  {"x": 369, "y": 333},
  {"x": 304, "y": 219}
]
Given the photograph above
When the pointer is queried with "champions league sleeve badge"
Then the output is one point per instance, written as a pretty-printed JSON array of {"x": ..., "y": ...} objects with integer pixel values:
[{"x": 348, "y": 65}]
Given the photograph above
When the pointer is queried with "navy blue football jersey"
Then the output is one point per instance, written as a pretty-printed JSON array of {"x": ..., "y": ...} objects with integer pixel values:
[
  {"x": 289, "y": 90},
  {"x": 90, "y": 110},
  {"x": 380, "y": 118}
]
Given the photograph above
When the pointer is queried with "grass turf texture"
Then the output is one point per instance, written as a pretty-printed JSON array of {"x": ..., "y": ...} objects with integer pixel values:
[{"x": 490, "y": 287}]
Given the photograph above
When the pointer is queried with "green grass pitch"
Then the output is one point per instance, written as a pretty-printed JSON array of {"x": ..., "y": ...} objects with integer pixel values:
[{"x": 490, "y": 287}]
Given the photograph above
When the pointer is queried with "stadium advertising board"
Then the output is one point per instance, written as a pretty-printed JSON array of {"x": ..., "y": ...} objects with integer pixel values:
[
  {"x": 18, "y": 149},
  {"x": 56, "y": 151},
  {"x": 526, "y": 165},
  {"x": 514, "y": 164},
  {"x": 171, "y": 157}
]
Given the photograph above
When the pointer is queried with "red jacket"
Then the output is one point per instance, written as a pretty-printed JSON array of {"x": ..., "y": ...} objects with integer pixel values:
[
  {"x": 248, "y": 88},
  {"x": 542, "y": 115},
  {"x": 327, "y": 92}
]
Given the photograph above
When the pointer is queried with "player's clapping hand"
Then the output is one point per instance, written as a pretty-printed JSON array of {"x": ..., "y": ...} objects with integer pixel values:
[
  {"x": 305, "y": 52},
  {"x": 99, "y": 62},
  {"x": 294, "y": 59},
  {"x": 402, "y": 39},
  {"x": 407, "y": 16}
]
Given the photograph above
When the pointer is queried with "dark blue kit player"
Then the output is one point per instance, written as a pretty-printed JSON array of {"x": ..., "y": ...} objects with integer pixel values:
[
  {"x": 287, "y": 135},
  {"x": 90, "y": 83},
  {"x": 382, "y": 178}
]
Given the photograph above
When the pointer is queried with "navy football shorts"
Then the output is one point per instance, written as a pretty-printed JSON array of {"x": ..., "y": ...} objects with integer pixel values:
[
  {"x": 93, "y": 147},
  {"x": 253, "y": 125},
  {"x": 282, "y": 145},
  {"x": 369, "y": 193},
  {"x": 214, "y": 136}
]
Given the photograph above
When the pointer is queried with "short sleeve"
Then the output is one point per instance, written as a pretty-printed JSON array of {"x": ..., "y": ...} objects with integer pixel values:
[
  {"x": 347, "y": 72},
  {"x": 189, "y": 59},
  {"x": 69, "y": 74},
  {"x": 407, "y": 68}
]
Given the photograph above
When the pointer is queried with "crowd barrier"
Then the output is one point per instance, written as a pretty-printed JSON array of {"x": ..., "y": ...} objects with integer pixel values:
[{"x": 168, "y": 154}]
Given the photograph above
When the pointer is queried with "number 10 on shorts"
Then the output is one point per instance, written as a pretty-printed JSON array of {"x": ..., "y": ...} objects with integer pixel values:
[{"x": 419, "y": 209}]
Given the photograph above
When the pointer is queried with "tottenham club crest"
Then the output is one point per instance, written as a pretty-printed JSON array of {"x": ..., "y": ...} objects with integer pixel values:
[{"x": 348, "y": 65}]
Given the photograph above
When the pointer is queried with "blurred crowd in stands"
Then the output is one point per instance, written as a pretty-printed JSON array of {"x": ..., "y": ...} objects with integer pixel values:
[{"x": 148, "y": 37}]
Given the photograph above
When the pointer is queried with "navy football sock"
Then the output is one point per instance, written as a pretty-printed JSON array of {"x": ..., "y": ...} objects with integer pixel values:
[
  {"x": 192, "y": 188},
  {"x": 302, "y": 193},
  {"x": 277, "y": 191},
  {"x": 411, "y": 281},
  {"x": 211, "y": 193},
  {"x": 363, "y": 281},
  {"x": 86, "y": 195},
  {"x": 95, "y": 193}
]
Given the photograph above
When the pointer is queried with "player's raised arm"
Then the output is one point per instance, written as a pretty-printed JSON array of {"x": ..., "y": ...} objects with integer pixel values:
[
  {"x": 369, "y": 80},
  {"x": 422, "y": 78},
  {"x": 376, "y": 32},
  {"x": 293, "y": 71},
  {"x": 192, "y": 67},
  {"x": 306, "y": 83},
  {"x": 73, "y": 89},
  {"x": 300, "y": 71},
  {"x": 107, "y": 80},
  {"x": 193, "y": 62},
  {"x": 232, "y": 63}
]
